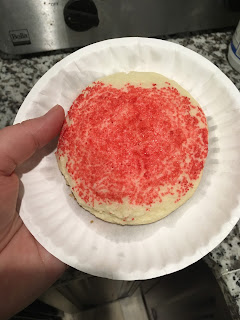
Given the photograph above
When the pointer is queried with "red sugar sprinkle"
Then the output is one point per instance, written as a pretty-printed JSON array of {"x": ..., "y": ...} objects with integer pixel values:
[{"x": 131, "y": 142}]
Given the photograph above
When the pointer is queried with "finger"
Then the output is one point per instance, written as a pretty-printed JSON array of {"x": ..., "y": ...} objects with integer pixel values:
[{"x": 19, "y": 142}]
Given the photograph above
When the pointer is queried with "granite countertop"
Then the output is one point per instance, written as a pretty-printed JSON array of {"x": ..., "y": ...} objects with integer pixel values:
[{"x": 18, "y": 76}]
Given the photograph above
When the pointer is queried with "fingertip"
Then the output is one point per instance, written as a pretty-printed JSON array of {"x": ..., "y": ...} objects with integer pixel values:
[
  {"x": 60, "y": 110},
  {"x": 55, "y": 116},
  {"x": 20, "y": 141},
  {"x": 57, "y": 108}
]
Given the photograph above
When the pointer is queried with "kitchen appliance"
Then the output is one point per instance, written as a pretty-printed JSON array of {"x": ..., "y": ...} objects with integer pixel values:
[{"x": 29, "y": 26}]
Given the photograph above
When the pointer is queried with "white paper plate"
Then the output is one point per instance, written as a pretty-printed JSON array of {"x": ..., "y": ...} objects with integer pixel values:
[{"x": 135, "y": 252}]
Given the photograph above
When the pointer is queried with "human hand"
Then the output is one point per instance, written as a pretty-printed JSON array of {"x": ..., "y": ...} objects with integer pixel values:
[{"x": 26, "y": 268}]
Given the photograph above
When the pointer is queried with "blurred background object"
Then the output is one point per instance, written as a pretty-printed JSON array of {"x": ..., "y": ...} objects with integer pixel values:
[
  {"x": 234, "y": 49},
  {"x": 29, "y": 26}
]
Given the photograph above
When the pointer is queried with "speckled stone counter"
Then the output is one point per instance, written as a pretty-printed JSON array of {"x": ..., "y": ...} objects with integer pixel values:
[{"x": 18, "y": 76}]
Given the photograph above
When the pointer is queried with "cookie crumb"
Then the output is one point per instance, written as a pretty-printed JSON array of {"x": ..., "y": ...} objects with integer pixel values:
[{"x": 72, "y": 196}]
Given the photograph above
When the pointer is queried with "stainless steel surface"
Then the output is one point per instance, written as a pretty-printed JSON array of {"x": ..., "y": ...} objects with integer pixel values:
[
  {"x": 129, "y": 308},
  {"x": 32, "y": 26},
  {"x": 191, "y": 293},
  {"x": 92, "y": 291}
]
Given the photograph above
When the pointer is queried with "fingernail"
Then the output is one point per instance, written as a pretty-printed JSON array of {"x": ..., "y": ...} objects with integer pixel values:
[
  {"x": 53, "y": 109},
  {"x": 57, "y": 106}
]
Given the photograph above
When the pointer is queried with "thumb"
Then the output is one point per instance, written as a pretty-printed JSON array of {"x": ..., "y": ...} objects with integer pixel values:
[{"x": 19, "y": 142}]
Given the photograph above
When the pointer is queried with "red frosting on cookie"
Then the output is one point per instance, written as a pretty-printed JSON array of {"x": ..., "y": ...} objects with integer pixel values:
[{"x": 134, "y": 142}]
